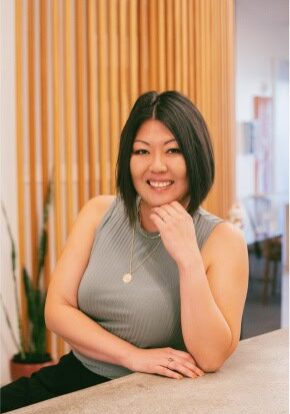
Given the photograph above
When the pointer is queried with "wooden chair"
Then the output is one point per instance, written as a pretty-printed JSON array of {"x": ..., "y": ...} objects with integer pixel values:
[
  {"x": 272, "y": 253},
  {"x": 258, "y": 208}
]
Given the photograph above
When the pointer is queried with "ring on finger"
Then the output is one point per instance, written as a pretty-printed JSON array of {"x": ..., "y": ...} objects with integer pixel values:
[{"x": 169, "y": 361}]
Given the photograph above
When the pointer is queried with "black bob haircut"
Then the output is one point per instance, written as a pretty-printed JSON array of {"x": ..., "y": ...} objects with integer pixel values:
[{"x": 188, "y": 127}]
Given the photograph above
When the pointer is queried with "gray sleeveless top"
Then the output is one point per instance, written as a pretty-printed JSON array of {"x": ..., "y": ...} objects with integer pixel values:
[{"x": 146, "y": 311}]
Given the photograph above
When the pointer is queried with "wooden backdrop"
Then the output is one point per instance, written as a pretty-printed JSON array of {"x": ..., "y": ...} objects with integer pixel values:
[{"x": 80, "y": 64}]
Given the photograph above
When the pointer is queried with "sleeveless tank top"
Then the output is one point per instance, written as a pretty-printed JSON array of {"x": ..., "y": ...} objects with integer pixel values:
[{"x": 146, "y": 311}]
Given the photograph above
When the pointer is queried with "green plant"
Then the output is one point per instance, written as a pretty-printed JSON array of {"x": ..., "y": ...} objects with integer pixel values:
[{"x": 34, "y": 348}]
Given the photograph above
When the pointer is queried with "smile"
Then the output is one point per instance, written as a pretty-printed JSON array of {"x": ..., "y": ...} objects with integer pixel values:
[{"x": 160, "y": 184}]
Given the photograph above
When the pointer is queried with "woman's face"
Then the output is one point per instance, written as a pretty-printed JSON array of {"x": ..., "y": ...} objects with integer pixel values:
[{"x": 157, "y": 166}]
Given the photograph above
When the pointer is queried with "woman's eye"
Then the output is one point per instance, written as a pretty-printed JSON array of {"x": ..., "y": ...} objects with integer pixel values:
[
  {"x": 174, "y": 150},
  {"x": 140, "y": 152}
]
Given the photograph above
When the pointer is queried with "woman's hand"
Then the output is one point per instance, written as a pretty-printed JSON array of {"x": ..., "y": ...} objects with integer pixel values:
[
  {"x": 167, "y": 362},
  {"x": 176, "y": 230}
]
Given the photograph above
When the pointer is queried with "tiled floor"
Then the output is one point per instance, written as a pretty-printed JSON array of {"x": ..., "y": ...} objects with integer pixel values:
[{"x": 259, "y": 318}]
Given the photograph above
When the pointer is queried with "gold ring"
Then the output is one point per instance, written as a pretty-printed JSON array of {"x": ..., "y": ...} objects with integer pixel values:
[{"x": 169, "y": 360}]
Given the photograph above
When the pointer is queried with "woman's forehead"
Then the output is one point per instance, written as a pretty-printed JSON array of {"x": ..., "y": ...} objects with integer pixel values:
[{"x": 152, "y": 131}]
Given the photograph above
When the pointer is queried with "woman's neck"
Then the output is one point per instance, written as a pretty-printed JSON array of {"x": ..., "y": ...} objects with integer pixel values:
[{"x": 144, "y": 216}]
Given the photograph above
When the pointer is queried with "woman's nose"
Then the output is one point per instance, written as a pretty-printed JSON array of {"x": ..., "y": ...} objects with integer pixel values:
[{"x": 158, "y": 164}]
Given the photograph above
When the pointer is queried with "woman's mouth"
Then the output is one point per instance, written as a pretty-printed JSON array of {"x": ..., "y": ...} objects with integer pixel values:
[{"x": 160, "y": 185}]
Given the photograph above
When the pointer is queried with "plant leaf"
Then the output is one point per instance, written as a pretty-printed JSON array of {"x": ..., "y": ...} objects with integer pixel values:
[{"x": 29, "y": 292}]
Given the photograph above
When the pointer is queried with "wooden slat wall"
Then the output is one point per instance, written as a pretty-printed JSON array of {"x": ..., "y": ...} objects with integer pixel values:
[
  {"x": 80, "y": 30},
  {"x": 20, "y": 147},
  {"x": 94, "y": 58},
  {"x": 44, "y": 126},
  {"x": 31, "y": 126},
  {"x": 57, "y": 136},
  {"x": 92, "y": 96},
  {"x": 68, "y": 110}
]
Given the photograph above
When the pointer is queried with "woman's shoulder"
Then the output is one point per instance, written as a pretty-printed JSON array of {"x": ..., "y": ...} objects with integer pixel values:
[
  {"x": 96, "y": 208},
  {"x": 222, "y": 228},
  {"x": 223, "y": 236},
  {"x": 101, "y": 202},
  {"x": 204, "y": 215}
]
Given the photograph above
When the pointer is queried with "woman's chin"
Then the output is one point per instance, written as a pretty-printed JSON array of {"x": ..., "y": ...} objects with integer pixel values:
[{"x": 160, "y": 199}]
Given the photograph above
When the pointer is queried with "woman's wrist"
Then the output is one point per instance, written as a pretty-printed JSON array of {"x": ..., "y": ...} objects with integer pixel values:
[
  {"x": 128, "y": 356},
  {"x": 191, "y": 261}
]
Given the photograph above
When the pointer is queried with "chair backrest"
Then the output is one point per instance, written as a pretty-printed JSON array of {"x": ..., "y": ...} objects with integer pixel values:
[{"x": 258, "y": 208}]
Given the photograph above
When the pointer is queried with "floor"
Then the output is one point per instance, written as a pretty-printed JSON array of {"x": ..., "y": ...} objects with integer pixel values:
[{"x": 259, "y": 318}]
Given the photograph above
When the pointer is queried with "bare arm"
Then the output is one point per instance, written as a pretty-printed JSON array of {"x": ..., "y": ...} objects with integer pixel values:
[
  {"x": 212, "y": 300},
  {"x": 61, "y": 313}
]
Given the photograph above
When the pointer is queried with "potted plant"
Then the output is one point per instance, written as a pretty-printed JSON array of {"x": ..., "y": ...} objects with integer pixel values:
[{"x": 31, "y": 351}]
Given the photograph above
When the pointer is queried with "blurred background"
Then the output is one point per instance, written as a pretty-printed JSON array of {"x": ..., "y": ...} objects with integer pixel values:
[{"x": 71, "y": 70}]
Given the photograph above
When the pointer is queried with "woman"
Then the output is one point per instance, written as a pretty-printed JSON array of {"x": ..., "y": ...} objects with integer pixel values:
[{"x": 148, "y": 281}]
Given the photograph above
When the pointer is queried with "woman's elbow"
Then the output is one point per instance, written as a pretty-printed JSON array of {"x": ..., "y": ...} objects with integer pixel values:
[
  {"x": 216, "y": 364},
  {"x": 213, "y": 364},
  {"x": 210, "y": 368},
  {"x": 51, "y": 312}
]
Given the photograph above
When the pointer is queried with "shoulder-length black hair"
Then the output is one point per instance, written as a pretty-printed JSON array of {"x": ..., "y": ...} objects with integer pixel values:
[{"x": 187, "y": 125}]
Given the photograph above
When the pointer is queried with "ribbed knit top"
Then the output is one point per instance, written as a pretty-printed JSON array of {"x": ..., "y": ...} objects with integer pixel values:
[{"x": 146, "y": 311}]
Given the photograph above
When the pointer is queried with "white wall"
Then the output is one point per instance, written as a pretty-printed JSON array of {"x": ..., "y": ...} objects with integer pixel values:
[
  {"x": 8, "y": 174},
  {"x": 261, "y": 43}
]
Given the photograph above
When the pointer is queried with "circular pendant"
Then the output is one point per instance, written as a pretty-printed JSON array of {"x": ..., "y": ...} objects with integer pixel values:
[{"x": 127, "y": 278}]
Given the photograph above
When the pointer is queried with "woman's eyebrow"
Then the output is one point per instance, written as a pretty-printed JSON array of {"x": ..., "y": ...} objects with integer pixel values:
[{"x": 147, "y": 143}]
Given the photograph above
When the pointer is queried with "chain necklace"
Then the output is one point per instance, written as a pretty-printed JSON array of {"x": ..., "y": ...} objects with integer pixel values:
[{"x": 129, "y": 276}]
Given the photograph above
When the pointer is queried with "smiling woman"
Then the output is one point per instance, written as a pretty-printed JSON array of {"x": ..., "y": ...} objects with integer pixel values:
[{"x": 146, "y": 282}]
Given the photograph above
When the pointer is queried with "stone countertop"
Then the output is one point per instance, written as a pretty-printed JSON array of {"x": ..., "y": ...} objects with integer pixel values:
[{"x": 253, "y": 380}]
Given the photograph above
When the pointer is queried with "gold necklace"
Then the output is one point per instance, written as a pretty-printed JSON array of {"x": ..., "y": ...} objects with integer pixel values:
[
  {"x": 143, "y": 232},
  {"x": 127, "y": 277}
]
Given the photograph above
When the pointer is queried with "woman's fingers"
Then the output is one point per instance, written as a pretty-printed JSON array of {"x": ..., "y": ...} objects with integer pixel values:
[
  {"x": 166, "y": 372},
  {"x": 188, "y": 360},
  {"x": 195, "y": 369},
  {"x": 182, "y": 368}
]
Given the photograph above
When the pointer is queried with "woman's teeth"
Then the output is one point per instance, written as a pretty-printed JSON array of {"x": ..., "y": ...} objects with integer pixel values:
[{"x": 159, "y": 184}]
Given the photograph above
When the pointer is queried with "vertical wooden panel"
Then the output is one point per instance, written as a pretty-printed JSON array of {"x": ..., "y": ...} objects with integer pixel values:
[
  {"x": 170, "y": 62},
  {"x": 92, "y": 93},
  {"x": 191, "y": 51},
  {"x": 32, "y": 147},
  {"x": 114, "y": 87},
  {"x": 153, "y": 45},
  {"x": 230, "y": 113},
  {"x": 213, "y": 104},
  {"x": 68, "y": 111},
  {"x": 43, "y": 94},
  {"x": 202, "y": 36},
  {"x": 177, "y": 45},
  {"x": 208, "y": 10},
  {"x": 197, "y": 47},
  {"x": 133, "y": 51},
  {"x": 124, "y": 59},
  {"x": 223, "y": 180},
  {"x": 56, "y": 137},
  {"x": 143, "y": 46},
  {"x": 80, "y": 85},
  {"x": 184, "y": 47},
  {"x": 161, "y": 45},
  {"x": 44, "y": 133},
  {"x": 103, "y": 98},
  {"x": 20, "y": 152}
]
